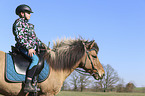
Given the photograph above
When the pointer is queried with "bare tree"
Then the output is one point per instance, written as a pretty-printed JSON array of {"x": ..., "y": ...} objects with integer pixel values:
[
  {"x": 83, "y": 81},
  {"x": 78, "y": 80},
  {"x": 99, "y": 85},
  {"x": 65, "y": 86},
  {"x": 110, "y": 79},
  {"x": 120, "y": 87},
  {"x": 74, "y": 80}
]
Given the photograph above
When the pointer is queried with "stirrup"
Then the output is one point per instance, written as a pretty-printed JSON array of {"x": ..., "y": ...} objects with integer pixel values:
[
  {"x": 35, "y": 84},
  {"x": 26, "y": 90},
  {"x": 29, "y": 89},
  {"x": 32, "y": 89}
]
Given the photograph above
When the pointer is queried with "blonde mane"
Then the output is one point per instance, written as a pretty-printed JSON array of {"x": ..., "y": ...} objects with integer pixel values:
[{"x": 66, "y": 53}]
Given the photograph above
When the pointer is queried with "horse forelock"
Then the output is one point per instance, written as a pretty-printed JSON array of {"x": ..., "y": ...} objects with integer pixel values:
[
  {"x": 96, "y": 47},
  {"x": 65, "y": 54}
]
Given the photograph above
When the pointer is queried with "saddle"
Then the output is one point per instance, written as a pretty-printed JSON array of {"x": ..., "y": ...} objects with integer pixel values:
[
  {"x": 20, "y": 61},
  {"x": 17, "y": 64}
]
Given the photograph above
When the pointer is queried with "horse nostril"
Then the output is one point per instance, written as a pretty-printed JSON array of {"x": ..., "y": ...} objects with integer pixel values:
[{"x": 104, "y": 74}]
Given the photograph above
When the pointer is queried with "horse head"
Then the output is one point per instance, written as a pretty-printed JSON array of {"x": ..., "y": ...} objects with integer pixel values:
[
  {"x": 66, "y": 53},
  {"x": 90, "y": 62}
]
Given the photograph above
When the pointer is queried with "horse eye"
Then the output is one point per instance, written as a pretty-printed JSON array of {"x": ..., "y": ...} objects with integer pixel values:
[{"x": 94, "y": 56}]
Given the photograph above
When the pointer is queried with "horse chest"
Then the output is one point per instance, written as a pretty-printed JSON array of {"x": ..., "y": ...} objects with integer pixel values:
[{"x": 52, "y": 84}]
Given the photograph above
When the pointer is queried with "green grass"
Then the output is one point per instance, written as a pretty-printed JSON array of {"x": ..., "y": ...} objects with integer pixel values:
[
  {"x": 139, "y": 88},
  {"x": 72, "y": 93}
]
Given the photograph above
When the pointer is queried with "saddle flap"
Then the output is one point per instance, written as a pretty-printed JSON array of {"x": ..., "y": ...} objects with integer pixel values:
[{"x": 20, "y": 61}]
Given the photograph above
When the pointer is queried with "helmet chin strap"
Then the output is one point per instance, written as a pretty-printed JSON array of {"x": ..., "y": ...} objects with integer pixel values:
[{"x": 25, "y": 16}]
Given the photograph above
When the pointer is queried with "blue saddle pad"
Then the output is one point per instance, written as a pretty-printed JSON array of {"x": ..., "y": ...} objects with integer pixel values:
[{"x": 13, "y": 76}]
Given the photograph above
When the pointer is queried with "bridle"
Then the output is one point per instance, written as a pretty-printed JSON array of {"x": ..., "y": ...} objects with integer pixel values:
[
  {"x": 83, "y": 66},
  {"x": 93, "y": 68}
]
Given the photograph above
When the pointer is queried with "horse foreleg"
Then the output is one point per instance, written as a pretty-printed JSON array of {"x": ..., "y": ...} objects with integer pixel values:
[{"x": 48, "y": 94}]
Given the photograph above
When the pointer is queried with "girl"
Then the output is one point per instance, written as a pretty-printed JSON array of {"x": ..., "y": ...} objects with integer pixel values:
[{"x": 27, "y": 43}]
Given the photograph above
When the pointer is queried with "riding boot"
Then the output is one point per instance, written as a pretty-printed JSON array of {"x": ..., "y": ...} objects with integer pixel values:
[{"x": 28, "y": 86}]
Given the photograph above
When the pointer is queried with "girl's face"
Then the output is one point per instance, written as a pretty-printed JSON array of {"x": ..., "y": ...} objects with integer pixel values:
[{"x": 27, "y": 15}]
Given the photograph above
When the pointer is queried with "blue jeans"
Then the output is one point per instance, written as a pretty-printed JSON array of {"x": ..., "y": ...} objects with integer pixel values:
[{"x": 34, "y": 58}]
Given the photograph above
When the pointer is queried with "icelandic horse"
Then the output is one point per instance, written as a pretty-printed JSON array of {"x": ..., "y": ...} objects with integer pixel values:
[{"x": 63, "y": 59}]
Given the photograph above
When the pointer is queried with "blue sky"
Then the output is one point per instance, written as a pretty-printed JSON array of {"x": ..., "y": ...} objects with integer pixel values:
[{"x": 118, "y": 26}]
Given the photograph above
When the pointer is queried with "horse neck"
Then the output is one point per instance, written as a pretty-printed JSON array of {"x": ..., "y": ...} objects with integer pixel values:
[{"x": 66, "y": 73}]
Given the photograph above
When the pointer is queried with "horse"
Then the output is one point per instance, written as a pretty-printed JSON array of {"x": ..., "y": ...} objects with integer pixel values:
[{"x": 63, "y": 59}]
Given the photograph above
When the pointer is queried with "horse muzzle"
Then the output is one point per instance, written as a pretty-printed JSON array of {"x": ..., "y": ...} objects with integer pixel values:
[{"x": 97, "y": 76}]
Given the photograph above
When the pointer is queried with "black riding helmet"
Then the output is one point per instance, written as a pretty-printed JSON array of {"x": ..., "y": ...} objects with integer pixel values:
[{"x": 23, "y": 8}]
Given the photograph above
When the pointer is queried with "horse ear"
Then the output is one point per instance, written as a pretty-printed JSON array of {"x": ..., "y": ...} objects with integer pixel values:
[{"x": 90, "y": 44}]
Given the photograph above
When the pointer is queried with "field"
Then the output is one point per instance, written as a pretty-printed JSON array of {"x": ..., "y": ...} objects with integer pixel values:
[{"x": 71, "y": 93}]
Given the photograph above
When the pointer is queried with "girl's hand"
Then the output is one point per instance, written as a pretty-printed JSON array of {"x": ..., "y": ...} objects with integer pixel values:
[{"x": 31, "y": 52}]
